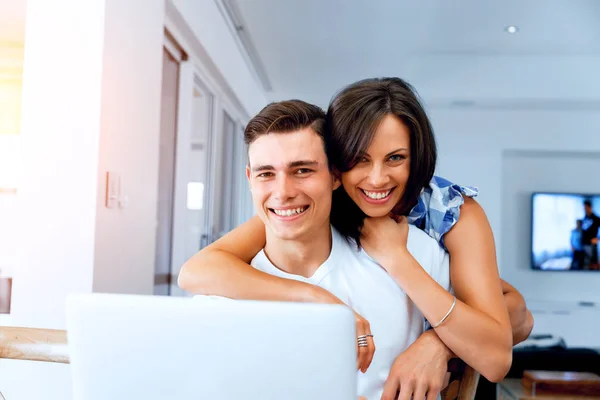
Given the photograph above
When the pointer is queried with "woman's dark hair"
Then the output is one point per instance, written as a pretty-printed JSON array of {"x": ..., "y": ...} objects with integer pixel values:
[{"x": 353, "y": 117}]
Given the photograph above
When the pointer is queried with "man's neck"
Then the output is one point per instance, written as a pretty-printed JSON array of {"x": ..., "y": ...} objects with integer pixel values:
[{"x": 301, "y": 256}]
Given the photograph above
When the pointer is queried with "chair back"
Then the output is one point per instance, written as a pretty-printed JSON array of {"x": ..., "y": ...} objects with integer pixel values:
[
  {"x": 34, "y": 344},
  {"x": 463, "y": 382}
]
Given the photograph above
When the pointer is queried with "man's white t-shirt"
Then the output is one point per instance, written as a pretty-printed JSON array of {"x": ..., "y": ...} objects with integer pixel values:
[{"x": 356, "y": 279}]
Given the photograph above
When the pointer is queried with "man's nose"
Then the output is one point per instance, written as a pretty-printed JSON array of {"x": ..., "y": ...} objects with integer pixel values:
[
  {"x": 378, "y": 176},
  {"x": 285, "y": 188}
]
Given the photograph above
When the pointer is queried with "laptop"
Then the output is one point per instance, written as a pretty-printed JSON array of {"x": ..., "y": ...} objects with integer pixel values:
[{"x": 150, "y": 347}]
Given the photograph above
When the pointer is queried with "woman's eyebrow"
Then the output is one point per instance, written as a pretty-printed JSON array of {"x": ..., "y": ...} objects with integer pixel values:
[{"x": 396, "y": 151}]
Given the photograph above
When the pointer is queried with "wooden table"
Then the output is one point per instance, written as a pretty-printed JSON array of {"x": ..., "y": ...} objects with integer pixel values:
[{"x": 512, "y": 389}]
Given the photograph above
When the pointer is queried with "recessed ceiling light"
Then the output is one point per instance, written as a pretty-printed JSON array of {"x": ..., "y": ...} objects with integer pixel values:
[{"x": 512, "y": 29}]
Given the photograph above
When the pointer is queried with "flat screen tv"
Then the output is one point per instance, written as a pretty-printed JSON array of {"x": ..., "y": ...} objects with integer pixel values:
[{"x": 565, "y": 231}]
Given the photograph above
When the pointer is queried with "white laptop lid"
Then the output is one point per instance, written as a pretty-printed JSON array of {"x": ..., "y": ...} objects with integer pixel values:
[{"x": 150, "y": 347}]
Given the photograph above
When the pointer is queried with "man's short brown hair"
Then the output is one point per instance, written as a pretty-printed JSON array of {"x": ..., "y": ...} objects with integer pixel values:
[{"x": 284, "y": 117}]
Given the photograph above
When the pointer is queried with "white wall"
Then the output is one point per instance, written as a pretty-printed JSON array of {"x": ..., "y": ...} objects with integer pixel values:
[
  {"x": 8, "y": 241},
  {"x": 91, "y": 101},
  {"x": 60, "y": 132},
  {"x": 525, "y": 172},
  {"x": 12, "y": 34},
  {"x": 11, "y": 69},
  {"x": 57, "y": 193},
  {"x": 95, "y": 110},
  {"x": 129, "y": 146},
  {"x": 8, "y": 227},
  {"x": 473, "y": 144}
]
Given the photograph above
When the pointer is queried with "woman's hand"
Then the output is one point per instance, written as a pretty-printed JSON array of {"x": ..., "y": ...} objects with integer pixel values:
[
  {"x": 363, "y": 327},
  {"x": 365, "y": 354},
  {"x": 421, "y": 370},
  {"x": 383, "y": 238},
  {"x": 521, "y": 319}
]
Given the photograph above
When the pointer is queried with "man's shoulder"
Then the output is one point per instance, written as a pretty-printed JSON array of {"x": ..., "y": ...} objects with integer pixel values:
[
  {"x": 345, "y": 251},
  {"x": 261, "y": 261},
  {"x": 339, "y": 242}
]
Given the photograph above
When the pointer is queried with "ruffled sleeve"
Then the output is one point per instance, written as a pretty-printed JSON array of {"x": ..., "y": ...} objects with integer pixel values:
[{"x": 438, "y": 207}]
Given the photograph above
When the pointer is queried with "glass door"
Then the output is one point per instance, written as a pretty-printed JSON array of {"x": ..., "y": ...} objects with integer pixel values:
[
  {"x": 192, "y": 194},
  {"x": 224, "y": 178},
  {"x": 166, "y": 174},
  {"x": 231, "y": 190}
]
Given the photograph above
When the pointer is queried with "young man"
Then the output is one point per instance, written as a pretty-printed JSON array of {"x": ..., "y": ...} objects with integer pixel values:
[{"x": 292, "y": 184}]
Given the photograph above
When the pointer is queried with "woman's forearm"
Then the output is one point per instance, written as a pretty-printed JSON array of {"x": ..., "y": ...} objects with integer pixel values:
[
  {"x": 219, "y": 273},
  {"x": 222, "y": 269},
  {"x": 474, "y": 336}
]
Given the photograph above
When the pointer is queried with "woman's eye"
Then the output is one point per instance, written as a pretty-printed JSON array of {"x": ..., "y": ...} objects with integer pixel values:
[{"x": 397, "y": 157}]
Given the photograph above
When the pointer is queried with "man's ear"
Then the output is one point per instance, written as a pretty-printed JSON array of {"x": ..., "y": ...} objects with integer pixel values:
[
  {"x": 337, "y": 178},
  {"x": 248, "y": 174},
  {"x": 336, "y": 183}
]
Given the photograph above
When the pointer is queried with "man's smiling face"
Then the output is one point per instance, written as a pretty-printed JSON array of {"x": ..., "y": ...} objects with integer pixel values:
[{"x": 291, "y": 183}]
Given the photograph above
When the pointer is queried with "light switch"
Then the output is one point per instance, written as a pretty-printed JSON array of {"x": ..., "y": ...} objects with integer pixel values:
[
  {"x": 113, "y": 189},
  {"x": 123, "y": 201}
]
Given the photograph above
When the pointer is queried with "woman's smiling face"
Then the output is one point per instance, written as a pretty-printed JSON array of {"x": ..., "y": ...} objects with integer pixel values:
[{"x": 378, "y": 180}]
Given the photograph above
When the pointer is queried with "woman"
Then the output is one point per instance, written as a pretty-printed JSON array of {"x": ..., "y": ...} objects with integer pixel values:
[{"x": 382, "y": 143}]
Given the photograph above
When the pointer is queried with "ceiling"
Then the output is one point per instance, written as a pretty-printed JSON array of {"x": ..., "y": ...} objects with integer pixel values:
[{"x": 454, "y": 52}]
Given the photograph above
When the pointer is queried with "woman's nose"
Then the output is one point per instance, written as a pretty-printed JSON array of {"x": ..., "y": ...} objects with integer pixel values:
[{"x": 378, "y": 176}]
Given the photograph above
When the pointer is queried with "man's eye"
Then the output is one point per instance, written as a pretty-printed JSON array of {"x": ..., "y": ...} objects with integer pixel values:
[
  {"x": 303, "y": 171},
  {"x": 264, "y": 175}
]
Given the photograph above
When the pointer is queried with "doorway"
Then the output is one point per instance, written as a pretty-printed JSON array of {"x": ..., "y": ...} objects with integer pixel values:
[{"x": 166, "y": 172}]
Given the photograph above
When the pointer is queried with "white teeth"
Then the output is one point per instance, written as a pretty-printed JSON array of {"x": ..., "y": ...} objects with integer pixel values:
[
  {"x": 377, "y": 195},
  {"x": 289, "y": 212}
]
